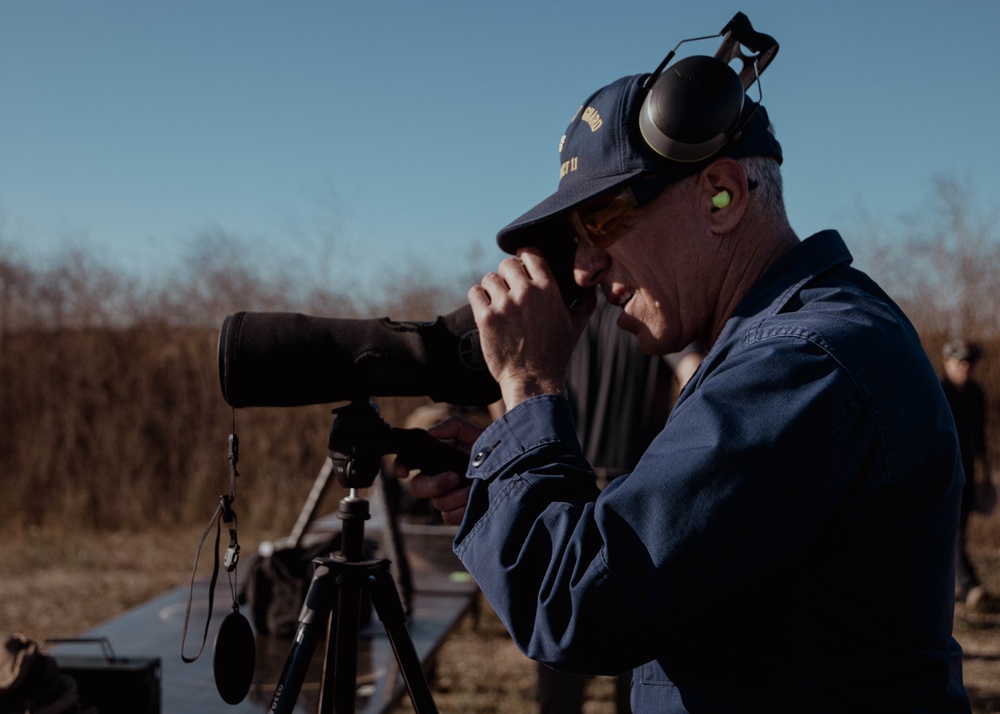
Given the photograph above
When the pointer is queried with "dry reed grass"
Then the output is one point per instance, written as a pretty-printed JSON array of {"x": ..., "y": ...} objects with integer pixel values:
[{"x": 112, "y": 421}]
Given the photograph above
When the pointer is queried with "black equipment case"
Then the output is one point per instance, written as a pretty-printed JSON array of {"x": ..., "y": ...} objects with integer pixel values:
[{"x": 112, "y": 685}]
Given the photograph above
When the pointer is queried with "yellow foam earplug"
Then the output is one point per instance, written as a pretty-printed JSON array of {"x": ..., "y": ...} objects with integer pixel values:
[{"x": 721, "y": 199}]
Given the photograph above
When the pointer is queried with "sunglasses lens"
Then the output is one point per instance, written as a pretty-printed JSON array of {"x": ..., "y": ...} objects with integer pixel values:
[{"x": 600, "y": 225}]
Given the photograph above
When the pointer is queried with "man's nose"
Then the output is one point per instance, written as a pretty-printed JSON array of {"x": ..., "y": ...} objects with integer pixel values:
[{"x": 589, "y": 265}]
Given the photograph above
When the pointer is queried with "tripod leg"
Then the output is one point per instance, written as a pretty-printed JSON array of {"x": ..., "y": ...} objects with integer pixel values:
[
  {"x": 340, "y": 668},
  {"x": 396, "y": 550},
  {"x": 338, "y": 690},
  {"x": 313, "y": 622},
  {"x": 385, "y": 599}
]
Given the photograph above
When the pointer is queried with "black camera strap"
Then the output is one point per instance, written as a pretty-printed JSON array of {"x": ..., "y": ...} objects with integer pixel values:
[
  {"x": 234, "y": 657},
  {"x": 224, "y": 514}
]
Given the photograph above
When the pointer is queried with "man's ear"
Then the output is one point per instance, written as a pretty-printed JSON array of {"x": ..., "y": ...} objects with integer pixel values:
[{"x": 723, "y": 194}]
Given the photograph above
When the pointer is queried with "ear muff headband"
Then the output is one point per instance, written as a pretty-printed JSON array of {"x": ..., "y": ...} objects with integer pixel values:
[{"x": 696, "y": 106}]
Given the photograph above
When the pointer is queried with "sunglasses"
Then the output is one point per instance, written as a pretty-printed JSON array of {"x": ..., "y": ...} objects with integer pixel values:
[{"x": 599, "y": 223}]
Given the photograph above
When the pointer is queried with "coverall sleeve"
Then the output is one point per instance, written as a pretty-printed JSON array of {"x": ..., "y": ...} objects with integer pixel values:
[{"x": 748, "y": 468}]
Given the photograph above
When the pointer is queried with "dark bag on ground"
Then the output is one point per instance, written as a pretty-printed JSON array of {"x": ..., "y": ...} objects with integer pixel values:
[
  {"x": 30, "y": 680},
  {"x": 277, "y": 582}
]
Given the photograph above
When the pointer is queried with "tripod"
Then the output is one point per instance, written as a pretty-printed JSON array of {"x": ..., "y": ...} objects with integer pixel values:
[{"x": 358, "y": 440}]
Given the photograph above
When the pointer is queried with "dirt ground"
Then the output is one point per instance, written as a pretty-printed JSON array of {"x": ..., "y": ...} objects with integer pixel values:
[{"x": 53, "y": 586}]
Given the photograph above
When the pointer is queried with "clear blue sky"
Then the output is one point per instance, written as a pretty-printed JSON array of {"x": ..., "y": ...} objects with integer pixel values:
[{"x": 344, "y": 137}]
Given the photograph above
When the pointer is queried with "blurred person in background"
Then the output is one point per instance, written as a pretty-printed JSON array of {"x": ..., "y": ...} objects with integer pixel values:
[{"x": 968, "y": 406}]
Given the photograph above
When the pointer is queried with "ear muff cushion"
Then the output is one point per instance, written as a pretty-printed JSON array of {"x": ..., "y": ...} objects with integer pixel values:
[{"x": 692, "y": 108}]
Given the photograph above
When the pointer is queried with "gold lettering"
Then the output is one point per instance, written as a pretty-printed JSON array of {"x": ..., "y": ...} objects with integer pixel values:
[
  {"x": 592, "y": 118},
  {"x": 568, "y": 167}
]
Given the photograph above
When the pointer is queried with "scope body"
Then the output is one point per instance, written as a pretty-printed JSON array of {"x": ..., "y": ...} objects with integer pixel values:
[{"x": 283, "y": 359}]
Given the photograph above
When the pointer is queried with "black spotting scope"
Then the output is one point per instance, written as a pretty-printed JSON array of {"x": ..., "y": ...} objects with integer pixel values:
[{"x": 282, "y": 359}]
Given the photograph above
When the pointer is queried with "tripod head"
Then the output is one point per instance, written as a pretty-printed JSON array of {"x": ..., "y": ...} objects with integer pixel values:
[{"x": 359, "y": 438}]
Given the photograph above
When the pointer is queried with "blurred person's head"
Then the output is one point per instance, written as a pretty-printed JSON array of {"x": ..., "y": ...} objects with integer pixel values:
[{"x": 960, "y": 357}]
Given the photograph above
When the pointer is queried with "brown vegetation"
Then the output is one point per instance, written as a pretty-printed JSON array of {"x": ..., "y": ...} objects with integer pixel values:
[
  {"x": 111, "y": 413},
  {"x": 112, "y": 420}
]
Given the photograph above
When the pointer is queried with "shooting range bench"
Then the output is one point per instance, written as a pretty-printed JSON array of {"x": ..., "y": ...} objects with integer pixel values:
[{"x": 442, "y": 594}]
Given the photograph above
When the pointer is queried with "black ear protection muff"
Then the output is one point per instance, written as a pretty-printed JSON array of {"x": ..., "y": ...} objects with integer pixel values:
[{"x": 697, "y": 105}]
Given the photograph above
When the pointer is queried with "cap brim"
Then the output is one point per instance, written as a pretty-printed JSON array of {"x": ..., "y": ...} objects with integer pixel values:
[{"x": 532, "y": 227}]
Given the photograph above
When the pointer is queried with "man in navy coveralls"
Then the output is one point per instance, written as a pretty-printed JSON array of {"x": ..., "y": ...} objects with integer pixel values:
[{"x": 786, "y": 543}]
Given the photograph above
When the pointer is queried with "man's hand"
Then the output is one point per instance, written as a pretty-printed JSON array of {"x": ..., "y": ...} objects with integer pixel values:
[
  {"x": 447, "y": 491},
  {"x": 526, "y": 331}
]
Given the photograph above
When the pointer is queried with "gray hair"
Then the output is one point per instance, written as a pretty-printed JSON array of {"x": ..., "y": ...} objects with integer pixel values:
[{"x": 769, "y": 193}]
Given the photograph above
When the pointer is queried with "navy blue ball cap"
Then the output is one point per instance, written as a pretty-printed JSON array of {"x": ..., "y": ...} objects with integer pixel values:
[{"x": 603, "y": 149}]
